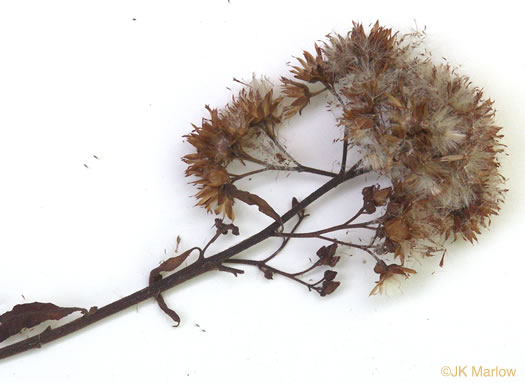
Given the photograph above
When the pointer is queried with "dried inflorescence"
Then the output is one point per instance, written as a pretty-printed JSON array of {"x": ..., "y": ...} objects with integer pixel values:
[
  {"x": 422, "y": 125},
  {"x": 224, "y": 136}
]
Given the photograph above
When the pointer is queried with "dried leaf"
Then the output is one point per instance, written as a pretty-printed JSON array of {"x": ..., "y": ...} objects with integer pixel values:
[
  {"x": 168, "y": 265},
  {"x": 169, "y": 312},
  {"x": 29, "y": 315},
  {"x": 252, "y": 199},
  {"x": 154, "y": 276}
]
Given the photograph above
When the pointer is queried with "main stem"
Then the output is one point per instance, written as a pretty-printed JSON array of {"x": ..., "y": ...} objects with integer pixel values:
[{"x": 199, "y": 267}]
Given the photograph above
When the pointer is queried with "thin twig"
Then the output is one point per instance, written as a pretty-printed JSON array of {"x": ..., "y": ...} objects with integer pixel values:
[
  {"x": 349, "y": 244},
  {"x": 237, "y": 177},
  {"x": 264, "y": 267},
  {"x": 315, "y": 234},
  {"x": 285, "y": 240},
  {"x": 298, "y": 168}
]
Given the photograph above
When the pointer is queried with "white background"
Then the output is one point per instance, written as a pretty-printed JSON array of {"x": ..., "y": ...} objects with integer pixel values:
[{"x": 79, "y": 79}]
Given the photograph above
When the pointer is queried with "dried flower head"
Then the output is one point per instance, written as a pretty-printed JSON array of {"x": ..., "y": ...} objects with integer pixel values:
[{"x": 225, "y": 136}]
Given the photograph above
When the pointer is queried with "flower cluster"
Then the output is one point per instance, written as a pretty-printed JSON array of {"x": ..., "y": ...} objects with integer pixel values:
[
  {"x": 426, "y": 128},
  {"x": 224, "y": 137},
  {"x": 422, "y": 125}
]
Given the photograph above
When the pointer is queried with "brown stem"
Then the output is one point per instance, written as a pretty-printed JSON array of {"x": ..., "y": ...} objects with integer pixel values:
[
  {"x": 359, "y": 212},
  {"x": 307, "y": 169},
  {"x": 285, "y": 240},
  {"x": 237, "y": 177},
  {"x": 345, "y": 154},
  {"x": 345, "y": 140},
  {"x": 315, "y": 234},
  {"x": 199, "y": 267},
  {"x": 264, "y": 267},
  {"x": 298, "y": 168},
  {"x": 349, "y": 244},
  {"x": 318, "y": 92}
]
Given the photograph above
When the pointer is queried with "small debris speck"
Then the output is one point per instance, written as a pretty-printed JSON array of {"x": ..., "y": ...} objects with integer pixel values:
[{"x": 178, "y": 243}]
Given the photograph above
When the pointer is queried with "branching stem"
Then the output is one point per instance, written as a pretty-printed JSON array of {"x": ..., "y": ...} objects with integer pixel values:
[
  {"x": 201, "y": 266},
  {"x": 315, "y": 234}
]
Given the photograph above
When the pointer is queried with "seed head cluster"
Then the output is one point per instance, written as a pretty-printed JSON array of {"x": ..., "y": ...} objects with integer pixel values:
[{"x": 421, "y": 124}]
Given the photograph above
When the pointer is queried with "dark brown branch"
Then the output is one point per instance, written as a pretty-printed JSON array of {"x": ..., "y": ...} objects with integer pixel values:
[
  {"x": 199, "y": 267},
  {"x": 345, "y": 154}
]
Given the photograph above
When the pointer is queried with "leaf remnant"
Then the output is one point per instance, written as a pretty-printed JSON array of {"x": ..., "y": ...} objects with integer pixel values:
[
  {"x": 252, "y": 199},
  {"x": 29, "y": 315},
  {"x": 168, "y": 265}
]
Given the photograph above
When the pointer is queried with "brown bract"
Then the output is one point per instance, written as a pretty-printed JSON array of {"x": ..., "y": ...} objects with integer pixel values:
[
  {"x": 386, "y": 273},
  {"x": 311, "y": 68},
  {"x": 299, "y": 92}
]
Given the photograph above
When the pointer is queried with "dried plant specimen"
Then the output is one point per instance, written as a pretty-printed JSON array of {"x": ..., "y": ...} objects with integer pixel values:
[{"x": 421, "y": 125}]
